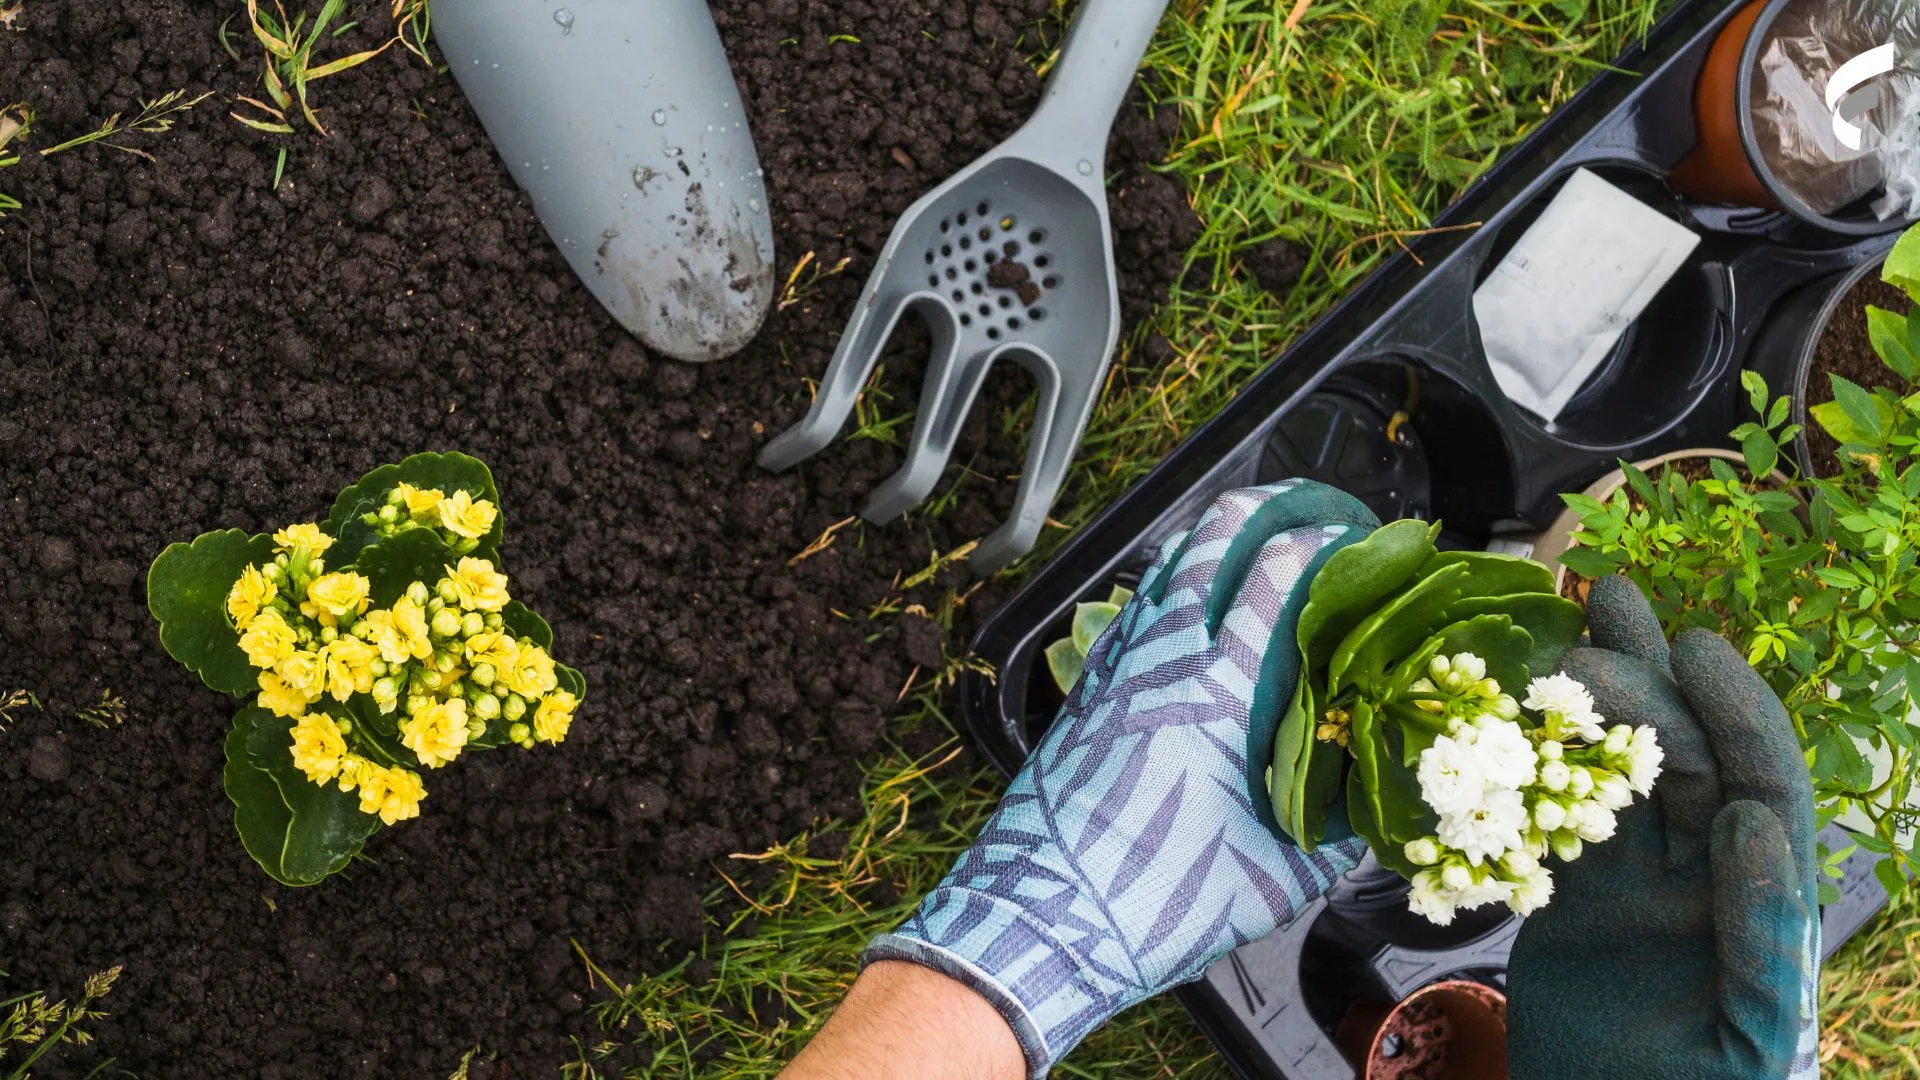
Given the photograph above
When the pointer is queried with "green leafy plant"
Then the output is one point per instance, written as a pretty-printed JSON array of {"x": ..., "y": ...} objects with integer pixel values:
[
  {"x": 32, "y": 1025},
  {"x": 1819, "y": 586},
  {"x": 1067, "y": 658},
  {"x": 372, "y": 645},
  {"x": 1403, "y": 723}
]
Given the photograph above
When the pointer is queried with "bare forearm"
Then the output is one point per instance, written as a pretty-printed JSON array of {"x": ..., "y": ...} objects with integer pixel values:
[{"x": 904, "y": 1020}]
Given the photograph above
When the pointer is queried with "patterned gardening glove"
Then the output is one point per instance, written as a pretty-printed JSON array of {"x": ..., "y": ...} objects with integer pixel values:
[
  {"x": 1684, "y": 947},
  {"x": 1136, "y": 847}
]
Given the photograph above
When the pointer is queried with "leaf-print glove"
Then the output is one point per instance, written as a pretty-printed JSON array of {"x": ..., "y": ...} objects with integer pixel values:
[
  {"x": 1137, "y": 846},
  {"x": 1682, "y": 947}
]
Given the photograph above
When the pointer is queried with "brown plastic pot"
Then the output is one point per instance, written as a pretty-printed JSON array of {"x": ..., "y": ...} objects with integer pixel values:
[
  {"x": 1728, "y": 166},
  {"x": 1454, "y": 1030},
  {"x": 1719, "y": 170}
]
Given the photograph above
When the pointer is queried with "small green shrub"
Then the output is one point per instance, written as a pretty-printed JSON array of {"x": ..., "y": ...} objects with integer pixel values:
[{"x": 1818, "y": 585}]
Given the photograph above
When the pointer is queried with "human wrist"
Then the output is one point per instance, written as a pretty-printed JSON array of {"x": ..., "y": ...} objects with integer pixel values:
[{"x": 903, "y": 1019}]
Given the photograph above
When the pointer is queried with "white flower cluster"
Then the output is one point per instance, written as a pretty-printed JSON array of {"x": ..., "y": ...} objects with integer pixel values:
[{"x": 1507, "y": 794}]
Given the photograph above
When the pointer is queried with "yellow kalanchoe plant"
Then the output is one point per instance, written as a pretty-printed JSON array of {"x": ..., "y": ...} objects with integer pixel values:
[{"x": 372, "y": 646}]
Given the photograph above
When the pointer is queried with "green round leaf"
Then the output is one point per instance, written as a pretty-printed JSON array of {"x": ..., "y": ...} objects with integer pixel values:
[
  {"x": 571, "y": 681},
  {"x": 315, "y": 829},
  {"x": 448, "y": 472},
  {"x": 1066, "y": 663},
  {"x": 1390, "y": 632},
  {"x": 398, "y": 561},
  {"x": 187, "y": 591},
  {"x": 1353, "y": 583},
  {"x": 1089, "y": 622},
  {"x": 523, "y": 621}
]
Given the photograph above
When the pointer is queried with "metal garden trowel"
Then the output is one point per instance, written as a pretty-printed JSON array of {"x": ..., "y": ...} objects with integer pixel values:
[
  {"x": 622, "y": 121},
  {"x": 1011, "y": 259}
]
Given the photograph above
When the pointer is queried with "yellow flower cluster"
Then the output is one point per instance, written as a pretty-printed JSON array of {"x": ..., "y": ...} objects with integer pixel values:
[
  {"x": 445, "y": 653},
  {"x": 462, "y": 517}
]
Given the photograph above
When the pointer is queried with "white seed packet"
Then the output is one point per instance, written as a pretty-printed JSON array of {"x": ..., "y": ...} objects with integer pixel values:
[{"x": 1558, "y": 302}]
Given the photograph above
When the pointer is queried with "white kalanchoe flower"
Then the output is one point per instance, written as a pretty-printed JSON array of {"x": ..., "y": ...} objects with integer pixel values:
[
  {"x": 1531, "y": 892},
  {"x": 1616, "y": 740},
  {"x": 1612, "y": 792},
  {"x": 1452, "y": 779},
  {"x": 1429, "y": 899},
  {"x": 1643, "y": 758},
  {"x": 1489, "y": 830},
  {"x": 1507, "y": 756},
  {"x": 1591, "y": 821},
  {"x": 1568, "y": 706}
]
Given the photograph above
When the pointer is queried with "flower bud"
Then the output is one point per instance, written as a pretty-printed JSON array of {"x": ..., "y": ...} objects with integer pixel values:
[
  {"x": 455, "y": 688},
  {"x": 1424, "y": 851},
  {"x": 1552, "y": 750},
  {"x": 280, "y": 561},
  {"x": 389, "y": 514},
  {"x": 514, "y": 707},
  {"x": 417, "y": 592},
  {"x": 520, "y": 733},
  {"x": 417, "y": 702},
  {"x": 1505, "y": 707},
  {"x": 494, "y": 621},
  {"x": 1439, "y": 667},
  {"x": 1593, "y": 822},
  {"x": 316, "y": 566},
  {"x": 1567, "y": 846},
  {"x": 1518, "y": 864},
  {"x": 486, "y": 706},
  {"x": 396, "y": 498},
  {"x": 482, "y": 674},
  {"x": 345, "y": 725},
  {"x": 329, "y": 635},
  {"x": 386, "y": 689},
  {"x": 1456, "y": 876},
  {"x": 1612, "y": 792},
  {"x": 445, "y": 662},
  {"x": 446, "y": 623},
  {"x": 1549, "y": 815},
  {"x": 274, "y": 571},
  {"x": 476, "y": 727},
  {"x": 472, "y": 623},
  {"x": 447, "y": 593},
  {"x": 466, "y": 545},
  {"x": 1554, "y": 775},
  {"x": 1617, "y": 738},
  {"x": 1580, "y": 782},
  {"x": 431, "y": 679},
  {"x": 376, "y": 666}
]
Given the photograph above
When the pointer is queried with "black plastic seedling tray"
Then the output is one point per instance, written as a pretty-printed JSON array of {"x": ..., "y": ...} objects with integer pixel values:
[{"x": 1407, "y": 341}]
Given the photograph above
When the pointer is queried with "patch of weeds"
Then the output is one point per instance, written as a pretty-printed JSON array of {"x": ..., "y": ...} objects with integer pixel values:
[
  {"x": 291, "y": 63},
  {"x": 1870, "y": 1013},
  {"x": 109, "y": 712},
  {"x": 12, "y": 702},
  {"x": 155, "y": 117},
  {"x": 32, "y": 1025}
]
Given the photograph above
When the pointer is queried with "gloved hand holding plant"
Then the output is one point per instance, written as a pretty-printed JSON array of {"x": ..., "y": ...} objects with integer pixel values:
[
  {"x": 372, "y": 645},
  {"x": 1410, "y": 659}
]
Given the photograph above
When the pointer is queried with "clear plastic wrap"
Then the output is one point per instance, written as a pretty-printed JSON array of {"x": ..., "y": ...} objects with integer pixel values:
[{"x": 1836, "y": 95}]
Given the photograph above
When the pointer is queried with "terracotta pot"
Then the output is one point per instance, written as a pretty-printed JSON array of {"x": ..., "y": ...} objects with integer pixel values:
[
  {"x": 1558, "y": 537},
  {"x": 1719, "y": 170},
  {"x": 1728, "y": 166},
  {"x": 1454, "y": 1030}
]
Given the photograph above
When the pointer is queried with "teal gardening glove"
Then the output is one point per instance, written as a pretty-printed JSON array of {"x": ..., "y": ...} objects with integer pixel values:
[
  {"x": 1137, "y": 847},
  {"x": 1684, "y": 948}
]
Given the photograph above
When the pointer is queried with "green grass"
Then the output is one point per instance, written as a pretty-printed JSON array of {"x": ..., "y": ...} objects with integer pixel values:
[{"x": 1344, "y": 126}]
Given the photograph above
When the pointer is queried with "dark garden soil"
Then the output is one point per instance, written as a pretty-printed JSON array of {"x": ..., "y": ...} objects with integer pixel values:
[
  {"x": 184, "y": 347},
  {"x": 1846, "y": 350}
]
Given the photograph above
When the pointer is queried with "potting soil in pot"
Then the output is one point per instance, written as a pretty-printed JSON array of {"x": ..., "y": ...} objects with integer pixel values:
[
  {"x": 185, "y": 346},
  {"x": 1846, "y": 350}
]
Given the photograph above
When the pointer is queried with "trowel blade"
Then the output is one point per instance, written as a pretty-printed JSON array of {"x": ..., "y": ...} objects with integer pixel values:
[{"x": 623, "y": 122}]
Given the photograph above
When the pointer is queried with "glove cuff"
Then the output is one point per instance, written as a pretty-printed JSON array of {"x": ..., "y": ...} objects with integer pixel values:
[{"x": 1035, "y": 980}]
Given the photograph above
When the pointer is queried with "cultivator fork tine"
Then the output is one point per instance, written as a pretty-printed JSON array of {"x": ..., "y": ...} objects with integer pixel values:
[
  {"x": 945, "y": 398},
  {"x": 866, "y": 334},
  {"x": 1067, "y": 394}
]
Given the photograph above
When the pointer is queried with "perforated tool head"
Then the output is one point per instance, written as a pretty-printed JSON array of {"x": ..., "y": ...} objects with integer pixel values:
[{"x": 1009, "y": 260}]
